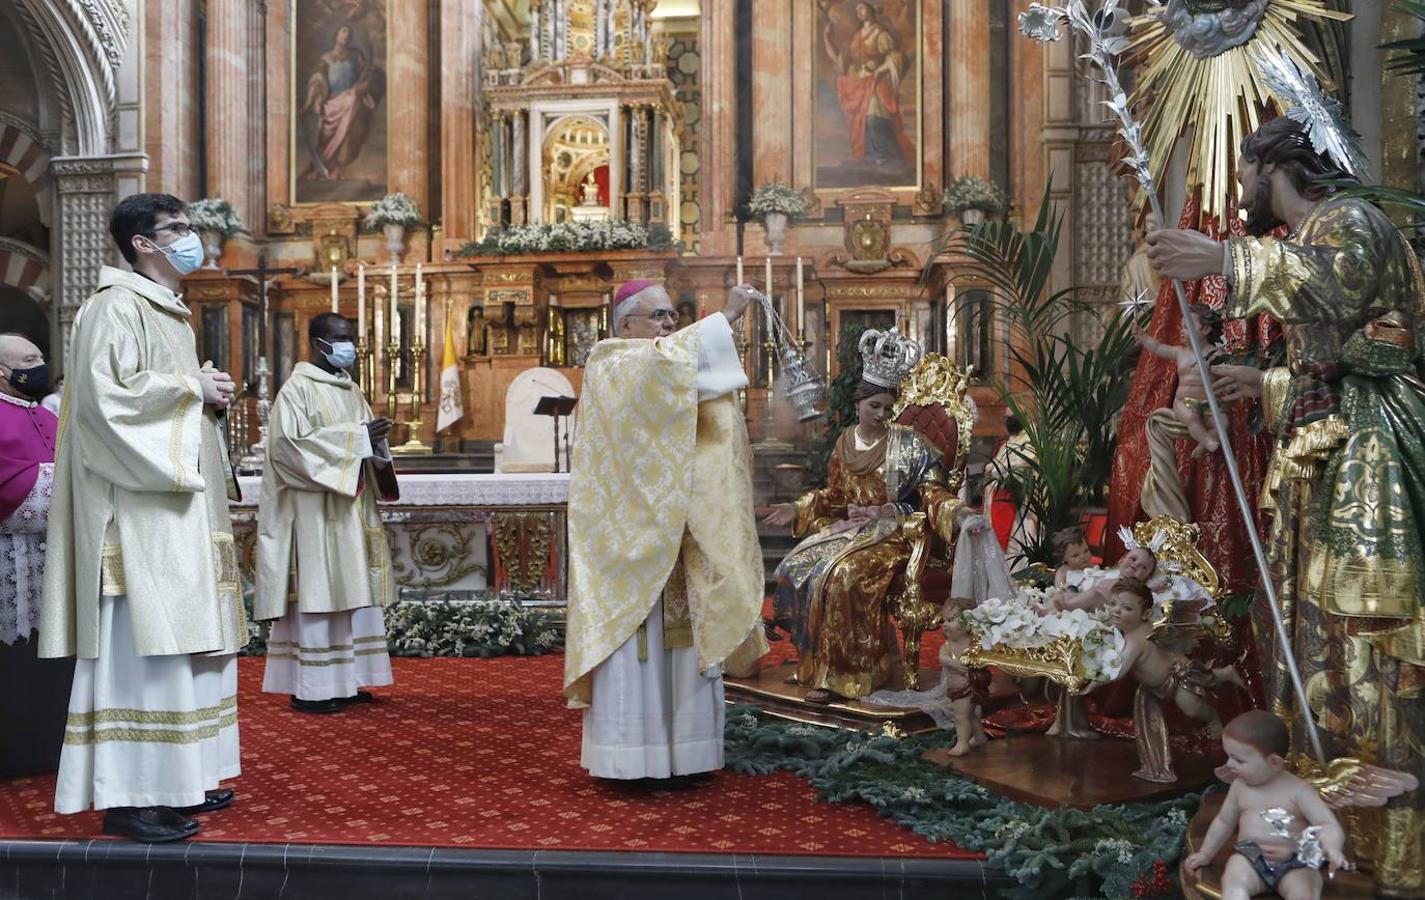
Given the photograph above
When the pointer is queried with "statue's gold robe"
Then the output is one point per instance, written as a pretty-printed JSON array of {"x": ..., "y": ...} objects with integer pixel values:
[
  {"x": 311, "y": 517},
  {"x": 141, "y": 485},
  {"x": 660, "y": 496},
  {"x": 1347, "y": 485}
]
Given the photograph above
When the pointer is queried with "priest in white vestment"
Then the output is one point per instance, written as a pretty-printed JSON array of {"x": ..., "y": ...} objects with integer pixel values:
[
  {"x": 323, "y": 565},
  {"x": 141, "y": 573},
  {"x": 666, "y": 579}
]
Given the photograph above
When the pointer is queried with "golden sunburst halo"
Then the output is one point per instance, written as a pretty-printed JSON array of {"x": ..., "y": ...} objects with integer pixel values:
[{"x": 1216, "y": 101}]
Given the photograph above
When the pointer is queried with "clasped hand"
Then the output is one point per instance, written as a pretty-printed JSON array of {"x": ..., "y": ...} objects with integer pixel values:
[
  {"x": 378, "y": 429},
  {"x": 218, "y": 387}
]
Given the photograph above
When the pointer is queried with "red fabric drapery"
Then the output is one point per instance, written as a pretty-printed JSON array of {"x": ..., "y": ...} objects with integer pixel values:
[{"x": 1205, "y": 480}]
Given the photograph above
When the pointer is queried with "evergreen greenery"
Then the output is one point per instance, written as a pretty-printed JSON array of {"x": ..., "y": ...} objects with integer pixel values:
[{"x": 1113, "y": 852}]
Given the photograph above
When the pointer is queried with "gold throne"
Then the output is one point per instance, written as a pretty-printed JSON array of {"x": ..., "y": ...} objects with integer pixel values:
[{"x": 933, "y": 400}]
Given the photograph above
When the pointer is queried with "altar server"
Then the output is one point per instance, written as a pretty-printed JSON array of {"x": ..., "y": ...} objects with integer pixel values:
[
  {"x": 666, "y": 577},
  {"x": 141, "y": 574},
  {"x": 323, "y": 566}
]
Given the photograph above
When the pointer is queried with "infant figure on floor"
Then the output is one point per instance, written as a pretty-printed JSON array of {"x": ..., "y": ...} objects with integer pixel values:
[{"x": 966, "y": 689}]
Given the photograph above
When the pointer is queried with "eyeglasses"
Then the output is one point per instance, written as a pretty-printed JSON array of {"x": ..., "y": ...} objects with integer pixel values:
[
  {"x": 662, "y": 315},
  {"x": 178, "y": 228}
]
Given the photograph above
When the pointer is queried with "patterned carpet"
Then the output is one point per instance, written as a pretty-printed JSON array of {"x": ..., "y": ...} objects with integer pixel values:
[{"x": 479, "y": 753}]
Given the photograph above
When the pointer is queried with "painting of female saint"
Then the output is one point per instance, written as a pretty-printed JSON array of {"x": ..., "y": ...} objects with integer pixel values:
[
  {"x": 867, "y": 94},
  {"x": 339, "y": 89}
]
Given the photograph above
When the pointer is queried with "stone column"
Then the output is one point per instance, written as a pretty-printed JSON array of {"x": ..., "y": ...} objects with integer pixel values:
[
  {"x": 409, "y": 102},
  {"x": 717, "y": 138},
  {"x": 519, "y": 201},
  {"x": 459, "y": 96},
  {"x": 85, "y": 188},
  {"x": 969, "y": 89},
  {"x": 228, "y": 111},
  {"x": 772, "y": 91}
]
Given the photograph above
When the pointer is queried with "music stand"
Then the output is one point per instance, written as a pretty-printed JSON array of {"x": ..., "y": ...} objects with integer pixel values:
[{"x": 557, "y": 408}]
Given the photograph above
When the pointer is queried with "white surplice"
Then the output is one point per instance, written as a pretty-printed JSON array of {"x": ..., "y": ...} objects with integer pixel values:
[{"x": 659, "y": 716}]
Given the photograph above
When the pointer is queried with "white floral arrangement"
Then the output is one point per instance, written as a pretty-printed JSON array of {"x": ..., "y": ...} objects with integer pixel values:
[
  {"x": 214, "y": 214},
  {"x": 571, "y": 237},
  {"x": 776, "y": 197},
  {"x": 1017, "y": 623},
  {"x": 974, "y": 192},
  {"x": 487, "y": 627},
  {"x": 392, "y": 209}
]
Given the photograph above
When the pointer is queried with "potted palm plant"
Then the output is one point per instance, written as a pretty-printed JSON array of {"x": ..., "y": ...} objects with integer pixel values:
[
  {"x": 215, "y": 220},
  {"x": 393, "y": 214},
  {"x": 1067, "y": 396},
  {"x": 973, "y": 198},
  {"x": 775, "y": 203}
]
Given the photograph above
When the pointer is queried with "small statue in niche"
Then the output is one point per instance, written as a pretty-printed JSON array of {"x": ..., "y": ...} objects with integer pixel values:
[
  {"x": 475, "y": 338},
  {"x": 590, "y": 191}
]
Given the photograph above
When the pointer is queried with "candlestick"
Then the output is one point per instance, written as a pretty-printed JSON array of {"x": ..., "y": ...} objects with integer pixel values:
[
  {"x": 334, "y": 299},
  {"x": 361, "y": 302},
  {"x": 395, "y": 309},
  {"x": 771, "y": 334},
  {"x": 420, "y": 336},
  {"x": 801, "y": 300}
]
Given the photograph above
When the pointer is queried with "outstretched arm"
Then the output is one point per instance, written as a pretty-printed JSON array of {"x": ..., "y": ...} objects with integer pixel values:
[
  {"x": 1221, "y": 831},
  {"x": 1155, "y": 346}
]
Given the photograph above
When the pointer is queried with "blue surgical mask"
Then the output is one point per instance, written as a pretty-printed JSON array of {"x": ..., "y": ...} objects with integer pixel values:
[
  {"x": 342, "y": 354},
  {"x": 185, "y": 254}
]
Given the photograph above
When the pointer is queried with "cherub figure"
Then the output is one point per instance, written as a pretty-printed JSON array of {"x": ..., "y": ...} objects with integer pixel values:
[
  {"x": 967, "y": 689},
  {"x": 1285, "y": 831},
  {"x": 1071, "y": 549},
  {"x": 1161, "y": 675},
  {"x": 1190, "y": 401}
]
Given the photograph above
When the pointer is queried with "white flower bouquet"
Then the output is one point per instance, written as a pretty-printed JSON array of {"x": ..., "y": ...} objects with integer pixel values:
[
  {"x": 776, "y": 197},
  {"x": 392, "y": 209},
  {"x": 1075, "y": 647},
  {"x": 214, "y": 214},
  {"x": 974, "y": 192},
  {"x": 571, "y": 237}
]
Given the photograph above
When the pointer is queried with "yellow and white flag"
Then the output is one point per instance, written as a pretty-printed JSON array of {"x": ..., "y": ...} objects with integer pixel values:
[{"x": 451, "y": 406}]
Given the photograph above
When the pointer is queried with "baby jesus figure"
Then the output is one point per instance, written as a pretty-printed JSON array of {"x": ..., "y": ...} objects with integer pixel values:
[
  {"x": 1190, "y": 401},
  {"x": 1161, "y": 675},
  {"x": 1139, "y": 563},
  {"x": 1285, "y": 831},
  {"x": 967, "y": 689}
]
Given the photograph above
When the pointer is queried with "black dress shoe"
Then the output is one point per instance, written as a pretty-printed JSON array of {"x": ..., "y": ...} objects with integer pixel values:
[
  {"x": 149, "y": 824},
  {"x": 358, "y": 697},
  {"x": 315, "y": 706},
  {"x": 222, "y": 798}
]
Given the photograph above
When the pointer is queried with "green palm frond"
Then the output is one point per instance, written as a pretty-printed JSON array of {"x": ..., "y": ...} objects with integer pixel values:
[{"x": 1407, "y": 57}]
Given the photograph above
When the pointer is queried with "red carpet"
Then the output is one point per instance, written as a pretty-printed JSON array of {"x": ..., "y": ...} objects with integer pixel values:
[{"x": 479, "y": 753}]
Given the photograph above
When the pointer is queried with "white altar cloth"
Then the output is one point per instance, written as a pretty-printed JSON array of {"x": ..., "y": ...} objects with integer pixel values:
[{"x": 461, "y": 489}]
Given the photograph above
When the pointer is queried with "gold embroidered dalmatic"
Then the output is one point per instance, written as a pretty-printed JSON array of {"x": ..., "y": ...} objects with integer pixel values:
[
  {"x": 658, "y": 481},
  {"x": 317, "y": 520},
  {"x": 1347, "y": 484},
  {"x": 141, "y": 484}
]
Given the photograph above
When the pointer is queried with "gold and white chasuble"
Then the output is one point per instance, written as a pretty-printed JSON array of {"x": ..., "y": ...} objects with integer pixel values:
[
  {"x": 660, "y": 504},
  {"x": 320, "y": 542},
  {"x": 141, "y": 485}
]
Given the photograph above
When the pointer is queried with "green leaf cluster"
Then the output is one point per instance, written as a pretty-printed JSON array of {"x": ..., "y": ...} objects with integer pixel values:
[{"x": 1049, "y": 853}]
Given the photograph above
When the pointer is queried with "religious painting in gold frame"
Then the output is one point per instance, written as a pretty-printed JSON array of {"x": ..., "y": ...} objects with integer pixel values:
[
  {"x": 867, "y": 94},
  {"x": 583, "y": 328},
  {"x": 340, "y": 117}
]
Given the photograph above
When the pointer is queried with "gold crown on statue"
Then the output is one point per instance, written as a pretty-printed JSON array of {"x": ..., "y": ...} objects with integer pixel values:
[{"x": 888, "y": 356}]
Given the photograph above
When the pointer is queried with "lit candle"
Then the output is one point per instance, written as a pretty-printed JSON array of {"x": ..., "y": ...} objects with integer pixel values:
[
  {"x": 739, "y": 270},
  {"x": 420, "y": 336},
  {"x": 768, "y": 284},
  {"x": 801, "y": 302},
  {"x": 361, "y": 303},
  {"x": 395, "y": 309},
  {"x": 334, "y": 300}
]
